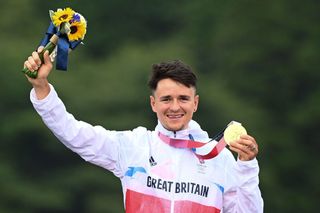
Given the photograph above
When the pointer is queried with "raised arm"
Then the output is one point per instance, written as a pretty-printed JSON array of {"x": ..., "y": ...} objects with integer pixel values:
[{"x": 92, "y": 143}]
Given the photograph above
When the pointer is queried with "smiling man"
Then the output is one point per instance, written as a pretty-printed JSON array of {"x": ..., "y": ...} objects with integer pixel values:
[
  {"x": 159, "y": 172},
  {"x": 174, "y": 104}
]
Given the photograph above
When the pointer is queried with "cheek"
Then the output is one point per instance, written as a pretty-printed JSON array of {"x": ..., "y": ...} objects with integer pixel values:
[
  {"x": 159, "y": 108},
  {"x": 162, "y": 109},
  {"x": 189, "y": 108}
]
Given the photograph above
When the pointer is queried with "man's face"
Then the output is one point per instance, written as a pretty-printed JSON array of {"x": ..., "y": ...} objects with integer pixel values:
[{"x": 174, "y": 104}]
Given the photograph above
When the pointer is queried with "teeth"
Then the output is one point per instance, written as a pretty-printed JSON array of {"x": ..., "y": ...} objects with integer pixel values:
[{"x": 174, "y": 116}]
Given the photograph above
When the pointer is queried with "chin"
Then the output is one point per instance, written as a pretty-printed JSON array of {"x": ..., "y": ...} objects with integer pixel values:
[{"x": 175, "y": 128}]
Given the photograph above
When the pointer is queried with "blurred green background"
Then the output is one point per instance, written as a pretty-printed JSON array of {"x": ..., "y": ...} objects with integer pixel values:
[{"x": 257, "y": 62}]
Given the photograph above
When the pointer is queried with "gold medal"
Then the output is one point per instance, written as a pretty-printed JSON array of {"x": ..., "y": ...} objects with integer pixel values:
[{"x": 233, "y": 132}]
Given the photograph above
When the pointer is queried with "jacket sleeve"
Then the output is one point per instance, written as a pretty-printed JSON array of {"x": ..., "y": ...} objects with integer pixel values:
[
  {"x": 93, "y": 143},
  {"x": 243, "y": 196}
]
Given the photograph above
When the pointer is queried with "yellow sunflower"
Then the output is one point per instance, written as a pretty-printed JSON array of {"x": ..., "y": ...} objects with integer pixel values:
[
  {"x": 62, "y": 15},
  {"x": 77, "y": 30}
]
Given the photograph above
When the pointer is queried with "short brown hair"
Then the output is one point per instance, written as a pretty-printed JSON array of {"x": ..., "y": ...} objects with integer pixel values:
[{"x": 175, "y": 70}]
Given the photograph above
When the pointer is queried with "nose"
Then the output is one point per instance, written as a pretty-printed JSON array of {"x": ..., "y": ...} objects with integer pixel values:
[{"x": 175, "y": 106}]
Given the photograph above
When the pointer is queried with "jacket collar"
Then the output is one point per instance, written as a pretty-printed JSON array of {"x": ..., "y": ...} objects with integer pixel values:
[{"x": 193, "y": 129}]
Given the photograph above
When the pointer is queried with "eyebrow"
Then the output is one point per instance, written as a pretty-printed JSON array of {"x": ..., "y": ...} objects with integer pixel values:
[
  {"x": 169, "y": 96},
  {"x": 164, "y": 97}
]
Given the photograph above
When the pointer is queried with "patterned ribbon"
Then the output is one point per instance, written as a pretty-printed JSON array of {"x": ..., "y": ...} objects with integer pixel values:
[
  {"x": 62, "y": 47},
  {"x": 191, "y": 144}
]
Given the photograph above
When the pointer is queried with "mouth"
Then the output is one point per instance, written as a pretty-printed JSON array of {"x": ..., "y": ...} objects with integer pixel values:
[{"x": 175, "y": 116}]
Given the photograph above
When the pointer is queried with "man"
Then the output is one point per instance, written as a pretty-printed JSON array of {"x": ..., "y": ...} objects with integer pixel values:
[{"x": 156, "y": 174}]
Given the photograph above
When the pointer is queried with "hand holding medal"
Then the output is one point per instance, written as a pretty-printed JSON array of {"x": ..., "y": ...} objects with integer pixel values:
[
  {"x": 235, "y": 135},
  {"x": 66, "y": 30}
]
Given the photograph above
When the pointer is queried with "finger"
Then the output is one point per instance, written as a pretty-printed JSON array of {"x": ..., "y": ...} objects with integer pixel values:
[
  {"x": 248, "y": 137},
  {"x": 28, "y": 65},
  {"x": 36, "y": 58},
  {"x": 241, "y": 152},
  {"x": 248, "y": 141},
  {"x": 244, "y": 153},
  {"x": 33, "y": 64},
  {"x": 40, "y": 48},
  {"x": 46, "y": 57},
  {"x": 248, "y": 146},
  {"x": 239, "y": 148},
  {"x": 253, "y": 148}
]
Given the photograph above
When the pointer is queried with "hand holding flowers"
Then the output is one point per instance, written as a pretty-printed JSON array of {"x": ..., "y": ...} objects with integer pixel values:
[{"x": 67, "y": 29}]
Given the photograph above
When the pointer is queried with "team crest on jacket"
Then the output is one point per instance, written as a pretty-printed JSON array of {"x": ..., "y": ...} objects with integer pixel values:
[{"x": 201, "y": 168}]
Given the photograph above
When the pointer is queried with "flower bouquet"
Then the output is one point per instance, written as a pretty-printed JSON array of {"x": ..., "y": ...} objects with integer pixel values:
[{"x": 66, "y": 30}]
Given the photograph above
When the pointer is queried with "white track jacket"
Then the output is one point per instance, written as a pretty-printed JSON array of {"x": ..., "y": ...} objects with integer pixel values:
[{"x": 156, "y": 177}]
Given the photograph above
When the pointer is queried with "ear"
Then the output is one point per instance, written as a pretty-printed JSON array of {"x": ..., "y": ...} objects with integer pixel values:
[
  {"x": 196, "y": 102},
  {"x": 152, "y": 103}
]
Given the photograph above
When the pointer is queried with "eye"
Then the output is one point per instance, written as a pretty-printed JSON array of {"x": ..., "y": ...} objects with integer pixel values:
[
  {"x": 184, "y": 98},
  {"x": 165, "y": 99}
]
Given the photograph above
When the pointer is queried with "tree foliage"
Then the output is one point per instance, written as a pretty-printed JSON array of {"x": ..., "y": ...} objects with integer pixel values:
[{"x": 257, "y": 63}]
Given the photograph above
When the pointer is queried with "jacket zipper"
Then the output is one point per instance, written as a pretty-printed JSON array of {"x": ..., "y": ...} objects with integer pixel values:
[{"x": 175, "y": 178}]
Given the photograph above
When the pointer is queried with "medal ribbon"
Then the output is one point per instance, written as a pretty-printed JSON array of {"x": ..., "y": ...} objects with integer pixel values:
[{"x": 191, "y": 144}]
